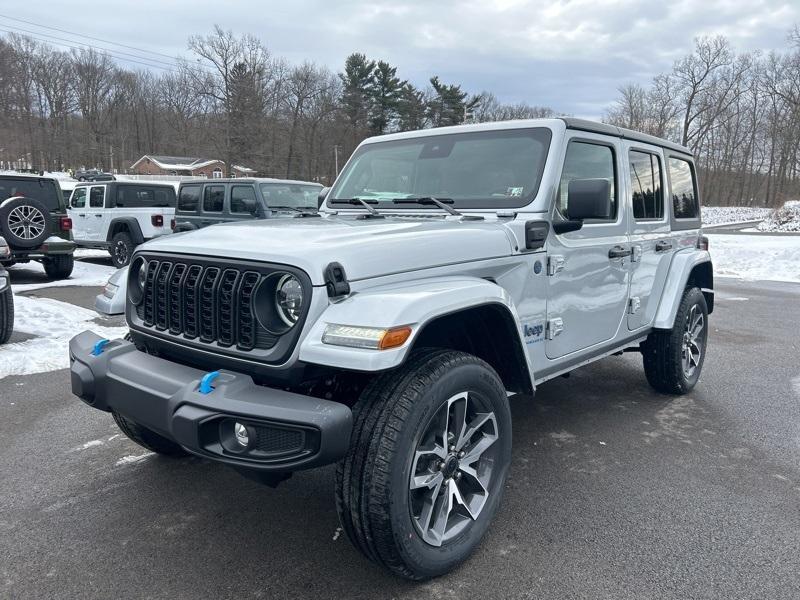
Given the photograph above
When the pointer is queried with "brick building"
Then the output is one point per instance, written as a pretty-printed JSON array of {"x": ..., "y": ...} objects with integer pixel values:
[{"x": 153, "y": 164}]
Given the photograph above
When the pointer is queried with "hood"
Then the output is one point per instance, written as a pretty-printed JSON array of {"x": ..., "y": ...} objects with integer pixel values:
[{"x": 364, "y": 247}]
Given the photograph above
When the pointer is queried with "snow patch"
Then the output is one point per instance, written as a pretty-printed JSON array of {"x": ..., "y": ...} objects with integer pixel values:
[
  {"x": 786, "y": 218},
  {"x": 133, "y": 459},
  {"x": 756, "y": 257},
  {"x": 729, "y": 215},
  {"x": 90, "y": 444},
  {"x": 54, "y": 323},
  {"x": 83, "y": 274}
]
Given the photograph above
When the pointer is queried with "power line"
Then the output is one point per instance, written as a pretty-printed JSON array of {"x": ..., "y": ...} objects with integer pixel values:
[
  {"x": 84, "y": 47},
  {"x": 120, "y": 52}
]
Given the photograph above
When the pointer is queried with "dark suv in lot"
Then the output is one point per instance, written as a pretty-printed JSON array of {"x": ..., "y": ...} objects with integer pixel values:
[
  {"x": 205, "y": 203},
  {"x": 35, "y": 225}
]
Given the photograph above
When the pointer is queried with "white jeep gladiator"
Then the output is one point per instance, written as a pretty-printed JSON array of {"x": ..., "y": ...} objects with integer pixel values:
[{"x": 450, "y": 270}]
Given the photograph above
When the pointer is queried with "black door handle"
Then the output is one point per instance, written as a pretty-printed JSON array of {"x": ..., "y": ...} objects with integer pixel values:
[
  {"x": 663, "y": 246},
  {"x": 619, "y": 252},
  {"x": 98, "y": 215}
]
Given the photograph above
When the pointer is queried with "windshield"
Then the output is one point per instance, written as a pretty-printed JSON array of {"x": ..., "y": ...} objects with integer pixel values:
[
  {"x": 484, "y": 169},
  {"x": 290, "y": 194},
  {"x": 43, "y": 190}
]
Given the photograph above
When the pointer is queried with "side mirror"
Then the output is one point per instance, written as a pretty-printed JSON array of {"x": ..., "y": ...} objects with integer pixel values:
[
  {"x": 323, "y": 193},
  {"x": 589, "y": 199}
]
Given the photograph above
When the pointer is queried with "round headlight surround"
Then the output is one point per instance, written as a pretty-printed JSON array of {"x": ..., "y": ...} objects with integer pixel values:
[
  {"x": 137, "y": 277},
  {"x": 289, "y": 299},
  {"x": 267, "y": 309}
]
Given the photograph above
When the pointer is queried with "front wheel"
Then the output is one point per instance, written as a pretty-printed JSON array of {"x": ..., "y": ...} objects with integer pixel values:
[
  {"x": 427, "y": 465},
  {"x": 147, "y": 438},
  {"x": 673, "y": 359}
]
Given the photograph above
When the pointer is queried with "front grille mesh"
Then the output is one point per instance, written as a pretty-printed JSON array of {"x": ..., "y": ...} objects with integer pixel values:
[{"x": 205, "y": 303}]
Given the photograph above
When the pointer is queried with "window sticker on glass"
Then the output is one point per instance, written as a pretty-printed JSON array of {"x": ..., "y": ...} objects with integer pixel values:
[{"x": 514, "y": 192}]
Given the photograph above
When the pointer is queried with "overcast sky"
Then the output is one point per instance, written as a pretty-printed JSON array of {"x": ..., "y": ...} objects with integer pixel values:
[{"x": 569, "y": 55}]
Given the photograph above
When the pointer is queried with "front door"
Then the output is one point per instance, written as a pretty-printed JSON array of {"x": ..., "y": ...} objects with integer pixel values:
[
  {"x": 77, "y": 211},
  {"x": 650, "y": 233},
  {"x": 588, "y": 269},
  {"x": 96, "y": 214}
]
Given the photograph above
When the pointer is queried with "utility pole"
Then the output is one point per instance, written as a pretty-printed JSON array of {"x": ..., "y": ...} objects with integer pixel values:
[{"x": 111, "y": 156}]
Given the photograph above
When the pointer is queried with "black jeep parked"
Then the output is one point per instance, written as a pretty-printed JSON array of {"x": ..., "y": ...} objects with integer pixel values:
[
  {"x": 6, "y": 301},
  {"x": 35, "y": 225},
  {"x": 205, "y": 203}
]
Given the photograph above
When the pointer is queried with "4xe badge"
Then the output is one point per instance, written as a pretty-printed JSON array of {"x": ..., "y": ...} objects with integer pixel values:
[{"x": 533, "y": 333}]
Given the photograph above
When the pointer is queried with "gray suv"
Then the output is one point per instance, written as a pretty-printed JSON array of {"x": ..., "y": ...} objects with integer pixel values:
[
  {"x": 215, "y": 201},
  {"x": 452, "y": 269}
]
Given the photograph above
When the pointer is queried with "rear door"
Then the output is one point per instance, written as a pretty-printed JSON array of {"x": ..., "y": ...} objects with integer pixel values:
[
  {"x": 213, "y": 205},
  {"x": 587, "y": 279},
  {"x": 650, "y": 232}
]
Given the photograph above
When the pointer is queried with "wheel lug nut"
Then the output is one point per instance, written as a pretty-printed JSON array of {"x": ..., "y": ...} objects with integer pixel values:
[
  {"x": 461, "y": 454},
  {"x": 452, "y": 448},
  {"x": 458, "y": 475},
  {"x": 441, "y": 466}
]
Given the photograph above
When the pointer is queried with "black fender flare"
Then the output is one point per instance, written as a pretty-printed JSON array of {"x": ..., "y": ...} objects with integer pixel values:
[{"x": 128, "y": 224}]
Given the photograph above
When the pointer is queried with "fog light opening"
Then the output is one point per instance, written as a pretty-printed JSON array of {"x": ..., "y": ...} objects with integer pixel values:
[{"x": 241, "y": 434}]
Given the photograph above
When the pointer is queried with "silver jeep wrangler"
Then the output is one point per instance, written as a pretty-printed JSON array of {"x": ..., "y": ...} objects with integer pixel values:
[{"x": 449, "y": 269}]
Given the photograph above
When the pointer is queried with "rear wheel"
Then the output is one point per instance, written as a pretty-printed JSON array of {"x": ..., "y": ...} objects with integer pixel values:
[
  {"x": 673, "y": 359},
  {"x": 427, "y": 464},
  {"x": 6, "y": 315},
  {"x": 121, "y": 249},
  {"x": 148, "y": 438},
  {"x": 59, "y": 266}
]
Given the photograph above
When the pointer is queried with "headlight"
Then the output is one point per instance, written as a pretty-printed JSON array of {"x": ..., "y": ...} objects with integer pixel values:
[
  {"x": 289, "y": 299},
  {"x": 366, "y": 338},
  {"x": 141, "y": 276},
  {"x": 137, "y": 278}
]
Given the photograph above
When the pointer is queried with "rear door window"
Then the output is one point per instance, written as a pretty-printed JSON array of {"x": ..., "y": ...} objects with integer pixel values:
[
  {"x": 647, "y": 197},
  {"x": 97, "y": 195},
  {"x": 44, "y": 190},
  {"x": 684, "y": 189},
  {"x": 213, "y": 198},
  {"x": 78, "y": 198},
  {"x": 189, "y": 198}
]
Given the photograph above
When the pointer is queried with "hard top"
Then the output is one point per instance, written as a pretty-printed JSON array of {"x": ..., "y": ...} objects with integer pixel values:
[{"x": 249, "y": 180}]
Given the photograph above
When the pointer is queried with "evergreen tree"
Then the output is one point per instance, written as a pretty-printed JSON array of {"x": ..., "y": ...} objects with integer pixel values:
[
  {"x": 357, "y": 81},
  {"x": 384, "y": 94}
]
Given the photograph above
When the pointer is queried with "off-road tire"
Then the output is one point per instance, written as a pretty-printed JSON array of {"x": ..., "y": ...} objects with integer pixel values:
[
  {"x": 59, "y": 266},
  {"x": 10, "y": 209},
  {"x": 148, "y": 438},
  {"x": 6, "y": 315},
  {"x": 372, "y": 482},
  {"x": 121, "y": 249},
  {"x": 662, "y": 351}
]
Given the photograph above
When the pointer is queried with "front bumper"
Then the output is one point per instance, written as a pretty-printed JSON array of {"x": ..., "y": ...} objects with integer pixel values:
[{"x": 289, "y": 431}]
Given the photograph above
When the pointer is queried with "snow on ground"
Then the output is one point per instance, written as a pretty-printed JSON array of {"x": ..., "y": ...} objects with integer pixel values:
[
  {"x": 84, "y": 273},
  {"x": 726, "y": 215},
  {"x": 783, "y": 219},
  {"x": 756, "y": 257},
  {"x": 54, "y": 323}
]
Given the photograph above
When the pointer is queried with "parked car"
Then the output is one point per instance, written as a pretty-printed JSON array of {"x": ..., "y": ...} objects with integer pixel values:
[
  {"x": 223, "y": 200},
  {"x": 118, "y": 216},
  {"x": 93, "y": 175},
  {"x": 34, "y": 223},
  {"x": 453, "y": 268},
  {"x": 6, "y": 297},
  {"x": 112, "y": 300}
]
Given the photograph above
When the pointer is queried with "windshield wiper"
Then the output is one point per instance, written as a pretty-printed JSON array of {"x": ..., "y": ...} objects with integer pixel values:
[
  {"x": 301, "y": 212},
  {"x": 442, "y": 203},
  {"x": 359, "y": 201}
]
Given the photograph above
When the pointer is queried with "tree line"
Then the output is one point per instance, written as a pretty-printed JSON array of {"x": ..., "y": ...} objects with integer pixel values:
[
  {"x": 739, "y": 113},
  {"x": 235, "y": 101}
]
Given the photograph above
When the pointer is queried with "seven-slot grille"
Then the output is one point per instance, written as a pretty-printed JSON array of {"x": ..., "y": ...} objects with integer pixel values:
[{"x": 207, "y": 303}]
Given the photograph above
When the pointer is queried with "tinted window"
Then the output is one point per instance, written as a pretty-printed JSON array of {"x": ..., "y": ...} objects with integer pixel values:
[
  {"x": 478, "y": 169},
  {"x": 587, "y": 161},
  {"x": 137, "y": 196},
  {"x": 189, "y": 198},
  {"x": 243, "y": 199},
  {"x": 43, "y": 190},
  {"x": 96, "y": 197},
  {"x": 291, "y": 195},
  {"x": 213, "y": 197},
  {"x": 648, "y": 201},
  {"x": 78, "y": 198},
  {"x": 684, "y": 198}
]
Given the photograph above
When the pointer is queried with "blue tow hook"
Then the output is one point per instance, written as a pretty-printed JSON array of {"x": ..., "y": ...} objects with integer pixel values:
[
  {"x": 206, "y": 381},
  {"x": 98, "y": 347}
]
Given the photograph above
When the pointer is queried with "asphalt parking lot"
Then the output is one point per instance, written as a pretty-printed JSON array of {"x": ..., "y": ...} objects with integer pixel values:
[{"x": 614, "y": 492}]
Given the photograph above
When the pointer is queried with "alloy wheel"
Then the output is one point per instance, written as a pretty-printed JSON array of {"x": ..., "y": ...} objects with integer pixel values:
[
  {"x": 26, "y": 222},
  {"x": 693, "y": 341}
]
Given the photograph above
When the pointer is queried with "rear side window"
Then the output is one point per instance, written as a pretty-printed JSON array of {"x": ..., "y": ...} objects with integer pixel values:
[
  {"x": 78, "y": 198},
  {"x": 647, "y": 197},
  {"x": 97, "y": 196},
  {"x": 136, "y": 196},
  {"x": 189, "y": 198},
  {"x": 243, "y": 197},
  {"x": 585, "y": 160},
  {"x": 684, "y": 189},
  {"x": 213, "y": 197},
  {"x": 43, "y": 190}
]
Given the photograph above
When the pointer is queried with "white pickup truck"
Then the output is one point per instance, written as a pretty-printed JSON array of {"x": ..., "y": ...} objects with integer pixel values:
[{"x": 118, "y": 216}]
